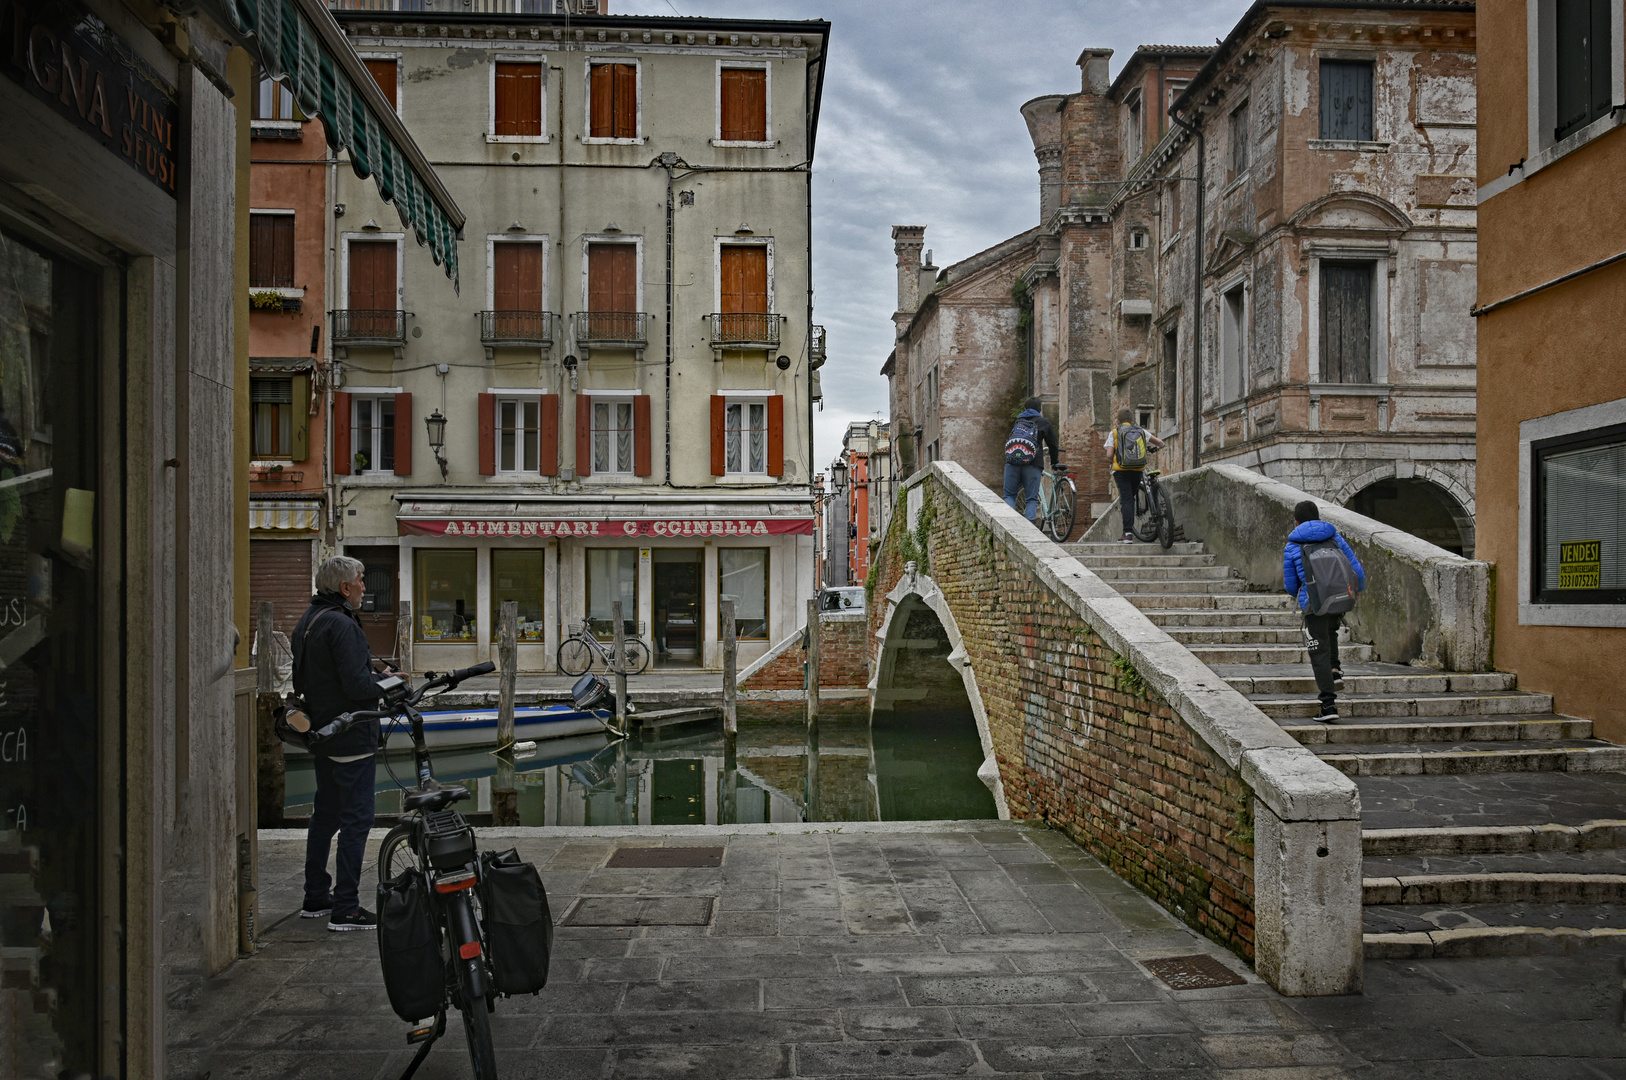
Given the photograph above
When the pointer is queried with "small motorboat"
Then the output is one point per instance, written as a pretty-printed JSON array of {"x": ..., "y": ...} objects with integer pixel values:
[{"x": 445, "y": 729}]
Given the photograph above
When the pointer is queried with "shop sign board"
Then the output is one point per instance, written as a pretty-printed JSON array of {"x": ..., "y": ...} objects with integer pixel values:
[
  {"x": 70, "y": 60},
  {"x": 609, "y": 529}
]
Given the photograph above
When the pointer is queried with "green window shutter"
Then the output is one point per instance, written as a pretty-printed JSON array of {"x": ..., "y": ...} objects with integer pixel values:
[
  {"x": 1581, "y": 63},
  {"x": 301, "y": 418}
]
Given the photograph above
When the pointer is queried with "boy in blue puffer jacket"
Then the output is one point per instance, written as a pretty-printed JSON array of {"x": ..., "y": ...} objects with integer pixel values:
[{"x": 1322, "y": 629}]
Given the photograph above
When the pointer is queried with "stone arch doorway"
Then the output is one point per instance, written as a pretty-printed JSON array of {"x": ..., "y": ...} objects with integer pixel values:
[{"x": 1420, "y": 507}]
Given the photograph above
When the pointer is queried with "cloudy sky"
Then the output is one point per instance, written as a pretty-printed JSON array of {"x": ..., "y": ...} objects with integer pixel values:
[{"x": 920, "y": 127}]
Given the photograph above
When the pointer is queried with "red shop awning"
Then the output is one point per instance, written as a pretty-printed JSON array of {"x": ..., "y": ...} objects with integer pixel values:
[{"x": 606, "y": 528}]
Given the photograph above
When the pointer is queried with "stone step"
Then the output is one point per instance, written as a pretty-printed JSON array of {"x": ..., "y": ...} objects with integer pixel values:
[
  {"x": 1181, "y": 547},
  {"x": 1398, "y": 932},
  {"x": 1449, "y": 759},
  {"x": 1167, "y": 617},
  {"x": 1130, "y": 587},
  {"x": 1594, "y": 862},
  {"x": 1256, "y": 602},
  {"x": 1491, "y": 800},
  {"x": 1602, "y": 834},
  {"x": 1504, "y": 888},
  {"x": 1164, "y": 573},
  {"x": 1543, "y": 728},
  {"x": 1236, "y": 635},
  {"x": 1294, "y": 680},
  {"x": 1119, "y": 559},
  {"x": 1492, "y": 703},
  {"x": 1272, "y": 654}
]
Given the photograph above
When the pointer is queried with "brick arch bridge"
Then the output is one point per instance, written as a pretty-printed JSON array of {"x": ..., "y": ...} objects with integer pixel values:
[{"x": 1098, "y": 723}]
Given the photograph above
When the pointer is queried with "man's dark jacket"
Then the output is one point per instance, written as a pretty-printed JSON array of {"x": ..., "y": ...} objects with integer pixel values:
[{"x": 333, "y": 672}]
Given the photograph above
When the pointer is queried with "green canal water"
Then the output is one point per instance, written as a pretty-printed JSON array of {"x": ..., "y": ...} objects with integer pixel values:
[{"x": 915, "y": 768}]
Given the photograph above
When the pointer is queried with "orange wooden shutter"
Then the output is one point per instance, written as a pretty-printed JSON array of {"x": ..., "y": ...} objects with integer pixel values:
[
  {"x": 744, "y": 105},
  {"x": 548, "y": 458},
  {"x": 488, "y": 435},
  {"x": 372, "y": 274},
  {"x": 745, "y": 278},
  {"x": 519, "y": 99},
  {"x": 601, "y": 92},
  {"x": 341, "y": 434},
  {"x": 612, "y": 277},
  {"x": 403, "y": 434},
  {"x": 517, "y": 277},
  {"x": 584, "y": 435},
  {"x": 626, "y": 101},
  {"x": 383, "y": 72},
  {"x": 598, "y": 276},
  {"x": 776, "y": 435},
  {"x": 719, "y": 446},
  {"x": 640, "y": 436},
  {"x": 733, "y": 266}
]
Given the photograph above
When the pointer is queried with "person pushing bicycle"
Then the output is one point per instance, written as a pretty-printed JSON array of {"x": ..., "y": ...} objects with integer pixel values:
[{"x": 1127, "y": 447}]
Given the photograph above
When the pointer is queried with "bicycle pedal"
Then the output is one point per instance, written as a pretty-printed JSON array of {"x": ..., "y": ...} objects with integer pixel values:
[{"x": 421, "y": 1034}]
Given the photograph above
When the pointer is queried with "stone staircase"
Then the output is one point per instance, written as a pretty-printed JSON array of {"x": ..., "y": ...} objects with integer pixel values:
[{"x": 1491, "y": 825}]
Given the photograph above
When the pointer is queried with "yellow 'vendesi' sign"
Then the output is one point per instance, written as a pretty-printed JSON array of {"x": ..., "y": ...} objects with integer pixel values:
[{"x": 1580, "y": 564}]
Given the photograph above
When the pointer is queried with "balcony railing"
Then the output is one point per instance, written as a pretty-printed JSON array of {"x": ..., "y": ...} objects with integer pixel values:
[
  {"x": 369, "y": 326},
  {"x": 517, "y": 327},
  {"x": 815, "y": 346},
  {"x": 751, "y": 329},
  {"x": 610, "y": 327}
]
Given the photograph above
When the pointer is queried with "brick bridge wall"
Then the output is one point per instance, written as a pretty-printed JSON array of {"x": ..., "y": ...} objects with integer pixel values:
[{"x": 774, "y": 686}]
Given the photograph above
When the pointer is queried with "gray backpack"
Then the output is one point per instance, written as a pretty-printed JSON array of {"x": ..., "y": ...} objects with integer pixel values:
[{"x": 1329, "y": 578}]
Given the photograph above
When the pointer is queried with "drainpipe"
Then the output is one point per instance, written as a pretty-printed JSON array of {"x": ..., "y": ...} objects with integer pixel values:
[{"x": 1196, "y": 300}]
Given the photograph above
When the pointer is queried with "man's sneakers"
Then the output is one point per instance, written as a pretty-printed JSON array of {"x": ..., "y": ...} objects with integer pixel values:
[
  {"x": 1337, "y": 679},
  {"x": 359, "y": 919},
  {"x": 319, "y": 911},
  {"x": 1128, "y": 538},
  {"x": 1327, "y": 715}
]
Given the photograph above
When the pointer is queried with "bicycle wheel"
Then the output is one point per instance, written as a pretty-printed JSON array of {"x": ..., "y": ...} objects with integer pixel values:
[
  {"x": 395, "y": 854},
  {"x": 637, "y": 655},
  {"x": 477, "y": 1032},
  {"x": 1165, "y": 517},
  {"x": 1144, "y": 524},
  {"x": 575, "y": 656},
  {"x": 1060, "y": 523}
]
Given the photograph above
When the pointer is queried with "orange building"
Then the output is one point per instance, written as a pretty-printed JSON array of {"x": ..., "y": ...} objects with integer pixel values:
[
  {"x": 288, "y": 239},
  {"x": 1552, "y": 359}
]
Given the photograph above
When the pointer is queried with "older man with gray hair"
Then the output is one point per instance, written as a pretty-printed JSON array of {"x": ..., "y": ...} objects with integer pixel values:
[{"x": 333, "y": 672}]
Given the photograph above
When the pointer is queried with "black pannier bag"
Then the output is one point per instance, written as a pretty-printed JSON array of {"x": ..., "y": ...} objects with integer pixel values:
[
  {"x": 518, "y": 924},
  {"x": 409, "y": 946}
]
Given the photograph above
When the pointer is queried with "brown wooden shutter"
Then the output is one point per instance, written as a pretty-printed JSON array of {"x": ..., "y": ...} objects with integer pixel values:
[
  {"x": 601, "y": 92},
  {"x": 260, "y": 244},
  {"x": 372, "y": 275},
  {"x": 584, "y": 436},
  {"x": 776, "y": 435},
  {"x": 488, "y": 435},
  {"x": 744, "y": 105},
  {"x": 383, "y": 72},
  {"x": 519, "y": 99},
  {"x": 626, "y": 101},
  {"x": 640, "y": 436},
  {"x": 745, "y": 278},
  {"x": 300, "y": 425},
  {"x": 403, "y": 434},
  {"x": 719, "y": 445},
  {"x": 548, "y": 436},
  {"x": 280, "y": 571},
  {"x": 282, "y": 250},
  {"x": 517, "y": 277},
  {"x": 341, "y": 434}
]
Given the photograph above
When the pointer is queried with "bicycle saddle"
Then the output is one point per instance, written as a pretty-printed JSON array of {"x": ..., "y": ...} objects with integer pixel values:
[
  {"x": 1154, "y": 472},
  {"x": 435, "y": 798}
]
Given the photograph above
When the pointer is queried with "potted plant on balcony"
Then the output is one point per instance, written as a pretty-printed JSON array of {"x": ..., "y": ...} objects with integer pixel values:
[{"x": 360, "y": 462}]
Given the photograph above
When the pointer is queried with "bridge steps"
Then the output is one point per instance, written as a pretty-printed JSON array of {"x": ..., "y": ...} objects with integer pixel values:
[{"x": 1433, "y": 751}]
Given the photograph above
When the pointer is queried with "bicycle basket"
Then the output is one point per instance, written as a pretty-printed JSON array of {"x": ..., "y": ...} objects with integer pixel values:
[
  {"x": 409, "y": 947},
  {"x": 517, "y": 922},
  {"x": 577, "y": 629}
]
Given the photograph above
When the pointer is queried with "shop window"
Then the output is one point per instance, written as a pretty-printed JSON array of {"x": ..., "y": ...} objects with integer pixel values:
[
  {"x": 516, "y": 103},
  {"x": 612, "y": 574},
  {"x": 746, "y": 437},
  {"x": 373, "y": 434},
  {"x": 743, "y": 109},
  {"x": 446, "y": 584},
  {"x": 272, "y": 403},
  {"x": 518, "y": 428},
  {"x": 1579, "y": 531},
  {"x": 742, "y": 576},
  {"x": 518, "y": 575},
  {"x": 1346, "y": 100},
  {"x": 612, "y": 101},
  {"x": 271, "y": 251},
  {"x": 612, "y": 436},
  {"x": 384, "y": 72},
  {"x": 1346, "y": 322}
]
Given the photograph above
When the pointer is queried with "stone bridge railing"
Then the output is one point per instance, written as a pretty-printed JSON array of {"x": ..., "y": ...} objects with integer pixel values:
[{"x": 1102, "y": 725}]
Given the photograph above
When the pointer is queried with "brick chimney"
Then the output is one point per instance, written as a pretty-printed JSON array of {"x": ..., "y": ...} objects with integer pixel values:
[{"x": 907, "y": 241}]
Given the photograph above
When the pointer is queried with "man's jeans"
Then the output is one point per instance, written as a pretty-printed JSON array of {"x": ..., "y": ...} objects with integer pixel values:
[
  {"x": 1025, "y": 477},
  {"x": 344, "y": 805},
  {"x": 1323, "y": 646},
  {"x": 1128, "y": 482}
]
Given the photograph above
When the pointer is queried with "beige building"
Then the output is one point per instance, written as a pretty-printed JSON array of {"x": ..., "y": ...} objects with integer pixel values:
[{"x": 623, "y": 389}]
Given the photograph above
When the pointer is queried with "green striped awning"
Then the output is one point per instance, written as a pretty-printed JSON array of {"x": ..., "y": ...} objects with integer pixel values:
[{"x": 298, "y": 41}]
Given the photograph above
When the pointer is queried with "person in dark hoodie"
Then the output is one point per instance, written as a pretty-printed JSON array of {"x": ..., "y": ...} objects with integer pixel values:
[
  {"x": 1024, "y": 456},
  {"x": 333, "y": 672},
  {"x": 1322, "y": 629}
]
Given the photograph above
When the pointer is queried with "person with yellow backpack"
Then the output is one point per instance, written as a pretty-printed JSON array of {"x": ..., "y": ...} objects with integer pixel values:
[{"x": 1128, "y": 446}]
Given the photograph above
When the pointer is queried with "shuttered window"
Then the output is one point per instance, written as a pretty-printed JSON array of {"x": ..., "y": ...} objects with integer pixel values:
[
  {"x": 383, "y": 72},
  {"x": 612, "y": 436},
  {"x": 271, "y": 250},
  {"x": 1579, "y": 500},
  {"x": 744, "y": 105},
  {"x": 518, "y": 425},
  {"x": 1582, "y": 62},
  {"x": 612, "y": 292},
  {"x": 1346, "y": 322},
  {"x": 613, "y": 101},
  {"x": 746, "y": 437},
  {"x": 271, "y": 400},
  {"x": 372, "y": 275},
  {"x": 1346, "y": 100},
  {"x": 518, "y": 99},
  {"x": 373, "y": 435},
  {"x": 745, "y": 278},
  {"x": 516, "y": 276}
]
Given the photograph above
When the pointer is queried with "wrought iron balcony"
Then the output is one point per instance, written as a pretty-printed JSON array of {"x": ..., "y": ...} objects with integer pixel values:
[
  {"x": 815, "y": 346},
  {"x": 745, "y": 329},
  {"x": 369, "y": 326},
  {"x": 610, "y": 328},
  {"x": 517, "y": 327}
]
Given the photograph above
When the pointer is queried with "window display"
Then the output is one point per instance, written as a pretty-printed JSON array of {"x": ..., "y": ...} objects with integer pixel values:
[
  {"x": 518, "y": 576},
  {"x": 612, "y": 574},
  {"x": 742, "y": 575},
  {"x": 447, "y": 587}
]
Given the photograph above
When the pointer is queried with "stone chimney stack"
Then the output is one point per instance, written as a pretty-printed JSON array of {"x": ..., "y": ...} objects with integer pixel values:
[
  {"x": 928, "y": 277},
  {"x": 907, "y": 241},
  {"x": 1044, "y": 115},
  {"x": 1094, "y": 63}
]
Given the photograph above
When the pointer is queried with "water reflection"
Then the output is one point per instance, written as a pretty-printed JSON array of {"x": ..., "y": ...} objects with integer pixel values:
[{"x": 920, "y": 767}]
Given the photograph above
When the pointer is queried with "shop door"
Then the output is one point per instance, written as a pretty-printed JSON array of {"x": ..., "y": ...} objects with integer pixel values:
[
  {"x": 676, "y": 581},
  {"x": 378, "y": 609}
]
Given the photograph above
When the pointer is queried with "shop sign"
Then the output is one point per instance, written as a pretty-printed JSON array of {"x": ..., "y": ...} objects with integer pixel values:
[
  {"x": 612, "y": 529},
  {"x": 70, "y": 60},
  {"x": 1580, "y": 564}
]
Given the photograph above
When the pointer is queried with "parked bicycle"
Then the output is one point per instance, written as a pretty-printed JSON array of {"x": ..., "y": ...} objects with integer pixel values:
[
  {"x": 1154, "y": 511},
  {"x": 1058, "y": 503},
  {"x": 581, "y": 648},
  {"x": 456, "y": 927}
]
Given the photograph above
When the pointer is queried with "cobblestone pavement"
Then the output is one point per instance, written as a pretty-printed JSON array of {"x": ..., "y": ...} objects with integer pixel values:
[{"x": 905, "y": 949}]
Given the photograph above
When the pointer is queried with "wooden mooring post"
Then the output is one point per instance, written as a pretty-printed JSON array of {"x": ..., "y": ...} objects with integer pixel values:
[
  {"x": 403, "y": 639},
  {"x": 271, "y": 780},
  {"x": 504, "y": 796},
  {"x": 813, "y": 665},
  {"x": 728, "y": 811},
  {"x": 619, "y": 666}
]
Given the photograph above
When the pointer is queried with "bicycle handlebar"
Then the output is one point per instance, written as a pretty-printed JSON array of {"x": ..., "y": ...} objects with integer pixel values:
[{"x": 345, "y": 721}]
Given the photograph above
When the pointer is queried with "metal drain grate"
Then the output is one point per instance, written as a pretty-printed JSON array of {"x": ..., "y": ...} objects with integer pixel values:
[
  {"x": 1193, "y": 972},
  {"x": 657, "y": 858},
  {"x": 639, "y": 911}
]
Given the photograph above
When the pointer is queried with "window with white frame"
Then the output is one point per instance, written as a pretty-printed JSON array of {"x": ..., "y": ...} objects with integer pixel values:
[
  {"x": 743, "y": 103},
  {"x": 745, "y": 437},
  {"x": 372, "y": 434},
  {"x": 612, "y": 435},
  {"x": 518, "y": 433},
  {"x": 612, "y": 100},
  {"x": 518, "y": 100}
]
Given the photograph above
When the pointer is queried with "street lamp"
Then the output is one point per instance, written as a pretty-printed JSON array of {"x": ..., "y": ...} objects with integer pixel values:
[
  {"x": 436, "y": 424},
  {"x": 838, "y": 472}
]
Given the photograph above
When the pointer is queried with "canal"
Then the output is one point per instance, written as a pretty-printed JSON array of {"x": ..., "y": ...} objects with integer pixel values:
[{"x": 915, "y": 767}]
